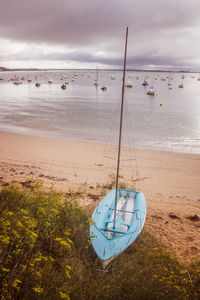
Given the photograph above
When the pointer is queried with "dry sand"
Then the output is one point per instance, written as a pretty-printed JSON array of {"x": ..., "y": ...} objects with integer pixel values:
[{"x": 170, "y": 181}]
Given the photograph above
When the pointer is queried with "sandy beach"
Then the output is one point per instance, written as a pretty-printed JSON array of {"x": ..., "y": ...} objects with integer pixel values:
[{"x": 169, "y": 180}]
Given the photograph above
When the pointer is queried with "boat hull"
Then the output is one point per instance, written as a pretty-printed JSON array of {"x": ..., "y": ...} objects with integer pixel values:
[{"x": 108, "y": 242}]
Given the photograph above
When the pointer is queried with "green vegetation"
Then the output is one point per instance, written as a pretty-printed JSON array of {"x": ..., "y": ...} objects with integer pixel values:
[{"x": 45, "y": 253}]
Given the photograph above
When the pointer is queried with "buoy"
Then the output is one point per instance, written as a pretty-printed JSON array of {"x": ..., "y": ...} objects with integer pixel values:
[{"x": 161, "y": 104}]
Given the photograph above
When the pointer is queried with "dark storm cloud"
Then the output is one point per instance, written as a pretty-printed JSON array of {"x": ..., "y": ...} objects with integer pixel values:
[
  {"x": 78, "y": 21},
  {"x": 100, "y": 25}
]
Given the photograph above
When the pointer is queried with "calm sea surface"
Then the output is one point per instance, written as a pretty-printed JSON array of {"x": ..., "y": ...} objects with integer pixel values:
[{"x": 170, "y": 120}]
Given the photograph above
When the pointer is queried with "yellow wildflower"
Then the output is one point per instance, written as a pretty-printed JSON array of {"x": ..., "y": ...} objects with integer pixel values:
[
  {"x": 38, "y": 290},
  {"x": 64, "y": 243},
  {"x": 19, "y": 224},
  {"x": 24, "y": 266},
  {"x": 198, "y": 270},
  {"x": 24, "y": 211},
  {"x": 4, "y": 239},
  {"x": 10, "y": 213},
  {"x": 16, "y": 282},
  {"x": 58, "y": 239},
  {"x": 183, "y": 271},
  {"x": 37, "y": 259},
  {"x": 6, "y": 223},
  {"x": 67, "y": 233},
  {"x": 5, "y": 270},
  {"x": 31, "y": 264},
  {"x": 32, "y": 223},
  {"x": 16, "y": 234},
  {"x": 55, "y": 211},
  {"x": 31, "y": 234},
  {"x": 34, "y": 234},
  {"x": 44, "y": 258},
  {"x": 38, "y": 274},
  {"x": 18, "y": 251},
  {"x": 51, "y": 259},
  {"x": 42, "y": 210},
  {"x": 64, "y": 296},
  {"x": 67, "y": 270}
]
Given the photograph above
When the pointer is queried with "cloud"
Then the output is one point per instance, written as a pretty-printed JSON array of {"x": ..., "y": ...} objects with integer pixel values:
[{"x": 92, "y": 31}]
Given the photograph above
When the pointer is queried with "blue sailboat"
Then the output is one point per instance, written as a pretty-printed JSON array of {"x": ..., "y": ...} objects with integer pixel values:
[{"x": 119, "y": 217}]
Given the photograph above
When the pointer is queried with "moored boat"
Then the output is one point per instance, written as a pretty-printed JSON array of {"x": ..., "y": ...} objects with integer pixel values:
[
  {"x": 145, "y": 83},
  {"x": 17, "y": 82},
  {"x": 63, "y": 86},
  {"x": 151, "y": 91},
  {"x": 129, "y": 84},
  {"x": 103, "y": 88}
]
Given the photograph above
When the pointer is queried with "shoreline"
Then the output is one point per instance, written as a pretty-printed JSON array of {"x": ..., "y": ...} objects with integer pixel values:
[
  {"x": 92, "y": 141},
  {"x": 169, "y": 180}
]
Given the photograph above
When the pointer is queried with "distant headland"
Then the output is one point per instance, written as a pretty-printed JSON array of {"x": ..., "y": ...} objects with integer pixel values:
[{"x": 128, "y": 69}]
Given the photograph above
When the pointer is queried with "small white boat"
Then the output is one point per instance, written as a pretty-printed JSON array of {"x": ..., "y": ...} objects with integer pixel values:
[
  {"x": 129, "y": 84},
  {"x": 151, "y": 91},
  {"x": 113, "y": 77}
]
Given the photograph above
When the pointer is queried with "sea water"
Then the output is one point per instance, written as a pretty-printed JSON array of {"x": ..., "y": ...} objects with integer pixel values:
[{"x": 169, "y": 121}]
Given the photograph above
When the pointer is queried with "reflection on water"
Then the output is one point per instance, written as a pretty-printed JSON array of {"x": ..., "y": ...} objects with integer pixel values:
[{"x": 170, "y": 120}]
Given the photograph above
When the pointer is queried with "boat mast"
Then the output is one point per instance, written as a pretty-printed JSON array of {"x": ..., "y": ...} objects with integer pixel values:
[{"x": 120, "y": 128}]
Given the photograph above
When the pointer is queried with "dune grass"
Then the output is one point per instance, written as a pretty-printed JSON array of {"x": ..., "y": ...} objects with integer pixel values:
[{"x": 45, "y": 253}]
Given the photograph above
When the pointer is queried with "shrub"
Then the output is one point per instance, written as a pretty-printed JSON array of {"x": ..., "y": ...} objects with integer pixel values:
[{"x": 36, "y": 231}]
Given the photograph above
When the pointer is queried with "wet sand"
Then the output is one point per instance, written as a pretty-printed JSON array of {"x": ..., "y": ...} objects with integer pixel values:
[{"x": 170, "y": 181}]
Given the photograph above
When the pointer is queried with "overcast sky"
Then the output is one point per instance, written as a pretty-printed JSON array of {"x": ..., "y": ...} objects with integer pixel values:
[{"x": 163, "y": 34}]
